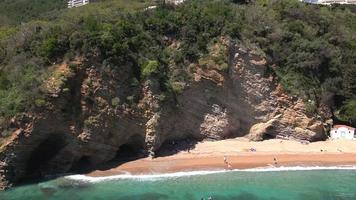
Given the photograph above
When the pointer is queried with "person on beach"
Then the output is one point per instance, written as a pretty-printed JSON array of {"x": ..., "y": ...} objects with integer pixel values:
[
  {"x": 227, "y": 163},
  {"x": 275, "y": 160},
  {"x": 229, "y": 166}
]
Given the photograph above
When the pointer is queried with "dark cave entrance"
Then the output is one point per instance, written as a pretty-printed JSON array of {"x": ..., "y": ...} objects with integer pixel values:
[
  {"x": 44, "y": 152},
  {"x": 127, "y": 151},
  {"x": 171, "y": 147},
  {"x": 268, "y": 136},
  {"x": 131, "y": 150},
  {"x": 83, "y": 165}
]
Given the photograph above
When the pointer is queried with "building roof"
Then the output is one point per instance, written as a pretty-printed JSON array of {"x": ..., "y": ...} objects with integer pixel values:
[{"x": 343, "y": 126}]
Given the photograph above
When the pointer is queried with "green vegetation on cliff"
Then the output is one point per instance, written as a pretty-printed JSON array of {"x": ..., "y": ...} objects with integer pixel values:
[
  {"x": 310, "y": 48},
  {"x": 18, "y": 11}
]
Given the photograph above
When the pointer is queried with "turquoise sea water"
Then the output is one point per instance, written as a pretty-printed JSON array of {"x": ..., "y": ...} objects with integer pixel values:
[{"x": 239, "y": 185}]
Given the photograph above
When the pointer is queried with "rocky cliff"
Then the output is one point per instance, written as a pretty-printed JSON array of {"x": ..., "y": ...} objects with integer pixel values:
[{"x": 93, "y": 112}]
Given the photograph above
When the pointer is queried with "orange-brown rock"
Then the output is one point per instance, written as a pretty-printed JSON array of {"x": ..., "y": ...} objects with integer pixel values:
[{"x": 94, "y": 112}]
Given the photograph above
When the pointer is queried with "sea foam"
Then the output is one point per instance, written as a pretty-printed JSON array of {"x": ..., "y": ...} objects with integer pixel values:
[
  {"x": 153, "y": 177},
  {"x": 143, "y": 177},
  {"x": 299, "y": 168}
]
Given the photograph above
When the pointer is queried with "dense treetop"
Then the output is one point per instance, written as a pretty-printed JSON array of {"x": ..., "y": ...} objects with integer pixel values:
[{"x": 310, "y": 48}]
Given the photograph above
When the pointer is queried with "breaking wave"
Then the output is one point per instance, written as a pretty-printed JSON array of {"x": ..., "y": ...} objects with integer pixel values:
[{"x": 152, "y": 177}]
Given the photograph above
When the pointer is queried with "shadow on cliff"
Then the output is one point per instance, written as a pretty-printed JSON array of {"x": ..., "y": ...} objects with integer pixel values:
[
  {"x": 172, "y": 147},
  {"x": 130, "y": 152},
  {"x": 126, "y": 153}
]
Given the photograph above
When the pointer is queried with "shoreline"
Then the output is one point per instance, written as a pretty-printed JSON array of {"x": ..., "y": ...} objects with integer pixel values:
[
  {"x": 147, "y": 166},
  {"x": 209, "y": 156},
  {"x": 152, "y": 177}
]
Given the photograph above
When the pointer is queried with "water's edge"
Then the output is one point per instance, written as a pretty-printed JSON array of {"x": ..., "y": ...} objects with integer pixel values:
[
  {"x": 85, "y": 178},
  {"x": 279, "y": 183}
]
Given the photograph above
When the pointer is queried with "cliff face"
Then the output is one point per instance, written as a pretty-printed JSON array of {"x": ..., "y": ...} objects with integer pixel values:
[
  {"x": 90, "y": 115},
  {"x": 239, "y": 102}
]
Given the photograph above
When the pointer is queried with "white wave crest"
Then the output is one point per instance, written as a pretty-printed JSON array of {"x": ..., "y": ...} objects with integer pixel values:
[
  {"x": 153, "y": 177},
  {"x": 142, "y": 176}
]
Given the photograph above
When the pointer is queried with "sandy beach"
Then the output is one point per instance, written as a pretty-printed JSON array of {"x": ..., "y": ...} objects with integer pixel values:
[{"x": 241, "y": 154}]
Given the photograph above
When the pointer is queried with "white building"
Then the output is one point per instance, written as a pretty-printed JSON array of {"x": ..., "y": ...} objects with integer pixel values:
[
  {"x": 175, "y": 2},
  {"x": 328, "y": 2},
  {"x": 342, "y": 132},
  {"x": 77, "y": 3}
]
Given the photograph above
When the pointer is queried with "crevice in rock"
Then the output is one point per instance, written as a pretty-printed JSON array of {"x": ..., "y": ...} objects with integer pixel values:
[{"x": 72, "y": 108}]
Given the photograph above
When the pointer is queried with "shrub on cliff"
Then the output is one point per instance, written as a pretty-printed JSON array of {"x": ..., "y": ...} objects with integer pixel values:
[
  {"x": 150, "y": 68},
  {"x": 348, "y": 112}
]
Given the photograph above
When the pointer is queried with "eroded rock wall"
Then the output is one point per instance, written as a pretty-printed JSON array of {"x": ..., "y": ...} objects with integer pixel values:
[
  {"x": 243, "y": 101},
  {"x": 79, "y": 123},
  {"x": 91, "y": 115}
]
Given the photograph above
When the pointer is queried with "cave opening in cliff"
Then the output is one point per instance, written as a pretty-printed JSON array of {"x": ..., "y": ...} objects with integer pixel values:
[
  {"x": 171, "y": 147},
  {"x": 131, "y": 150},
  {"x": 268, "y": 137},
  {"x": 43, "y": 153},
  {"x": 83, "y": 165}
]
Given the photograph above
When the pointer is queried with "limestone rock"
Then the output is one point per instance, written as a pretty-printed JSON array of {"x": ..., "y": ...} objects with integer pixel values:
[
  {"x": 260, "y": 130},
  {"x": 89, "y": 126},
  {"x": 305, "y": 134},
  {"x": 151, "y": 135},
  {"x": 215, "y": 124}
]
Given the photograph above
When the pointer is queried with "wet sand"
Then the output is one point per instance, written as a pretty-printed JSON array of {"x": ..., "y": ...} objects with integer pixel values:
[{"x": 270, "y": 153}]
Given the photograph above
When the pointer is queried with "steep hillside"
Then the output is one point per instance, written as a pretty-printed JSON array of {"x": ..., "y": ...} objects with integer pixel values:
[
  {"x": 79, "y": 87},
  {"x": 93, "y": 112}
]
